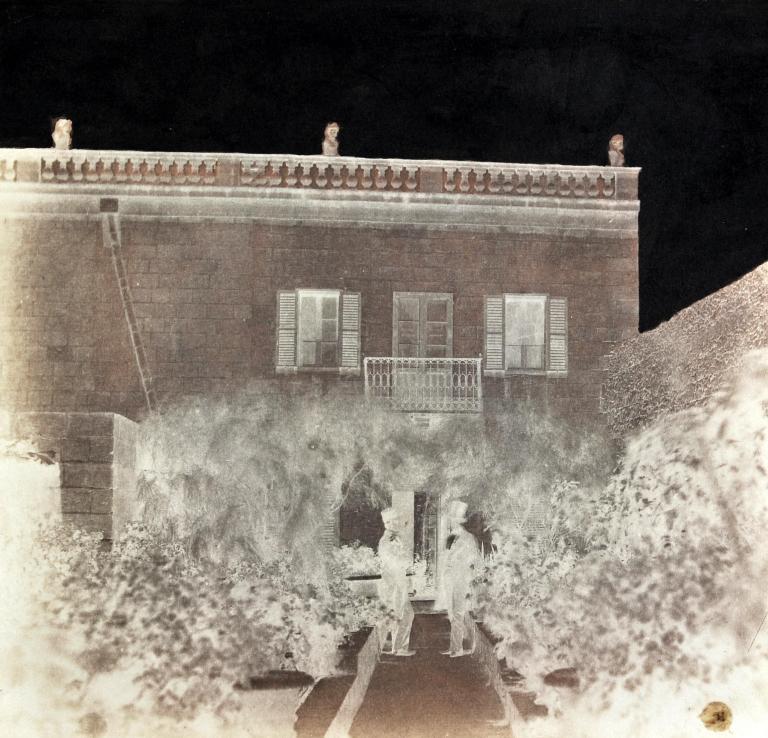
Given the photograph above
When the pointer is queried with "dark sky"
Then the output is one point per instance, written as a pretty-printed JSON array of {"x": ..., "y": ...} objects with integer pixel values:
[{"x": 512, "y": 81}]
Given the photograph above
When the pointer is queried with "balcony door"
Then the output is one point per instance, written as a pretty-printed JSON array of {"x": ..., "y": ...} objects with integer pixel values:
[
  {"x": 422, "y": 325},
  {"x": 422, "y": 339}
]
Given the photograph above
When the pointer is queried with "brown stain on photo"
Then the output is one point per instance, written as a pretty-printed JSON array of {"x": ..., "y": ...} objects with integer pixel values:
[{"x": 717, "y": 716}]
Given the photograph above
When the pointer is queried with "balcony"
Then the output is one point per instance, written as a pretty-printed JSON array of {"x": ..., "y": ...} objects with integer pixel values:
[{"x": 425, "y": 385}]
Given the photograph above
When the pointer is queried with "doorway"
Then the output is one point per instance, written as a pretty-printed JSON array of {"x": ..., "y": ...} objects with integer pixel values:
[
  {"x": 422, "y": 325},
  {"x": 426, "y": 540}
]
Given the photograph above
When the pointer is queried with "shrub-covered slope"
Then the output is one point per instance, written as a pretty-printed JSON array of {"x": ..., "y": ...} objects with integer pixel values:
[{"x": 687, "y": 359}]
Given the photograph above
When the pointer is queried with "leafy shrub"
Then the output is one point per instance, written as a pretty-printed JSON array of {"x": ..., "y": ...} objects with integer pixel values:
[
  {"x": 637, "y": 587},
  {"x": 356, "y": 560},
  {"x": 255, "y": 478},
  {"x": 34, "y": 700},
  {"x": 177, "y": 635}
]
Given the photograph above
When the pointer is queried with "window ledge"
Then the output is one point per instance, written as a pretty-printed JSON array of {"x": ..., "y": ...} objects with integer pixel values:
[
  {"x": 342, "y": 370},
  {"x": 503, "y": 373}
]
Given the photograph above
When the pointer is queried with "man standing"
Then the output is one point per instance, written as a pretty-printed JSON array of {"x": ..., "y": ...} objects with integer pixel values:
[
  {"x": 461, "y": 567},
  {"x": 394, "y": 581}
]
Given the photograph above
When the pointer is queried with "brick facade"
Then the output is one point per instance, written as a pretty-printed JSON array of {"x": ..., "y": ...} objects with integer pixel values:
[{"x": 203, "y": 291}]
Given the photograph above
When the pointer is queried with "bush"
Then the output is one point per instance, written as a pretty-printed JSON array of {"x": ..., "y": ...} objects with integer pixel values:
[
  {"x": 638, "y": 586},
  {"x": 356, "y": 560},
  {"x": 254, "y": 478},
  {"x": 157, "y": 636},
  {"x": 34, "y": 700}
]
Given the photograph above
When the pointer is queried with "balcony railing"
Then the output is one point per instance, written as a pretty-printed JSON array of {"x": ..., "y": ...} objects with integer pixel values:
[{"x": 425, "y": 385}]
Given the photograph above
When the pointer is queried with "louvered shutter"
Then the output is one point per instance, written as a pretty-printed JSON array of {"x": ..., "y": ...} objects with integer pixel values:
[
  {"x": 286, "y": 328},
  {"x": 350, "y": 329},
  {"x": 494, "y": 333},
  {"x": 558, "y": 335}
]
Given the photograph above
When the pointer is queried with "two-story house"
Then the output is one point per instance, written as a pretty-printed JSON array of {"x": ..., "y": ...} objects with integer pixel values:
[{"x": 437, "y": 287}]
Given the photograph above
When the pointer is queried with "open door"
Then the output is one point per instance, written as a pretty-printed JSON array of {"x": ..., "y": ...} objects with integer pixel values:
[{"x": 426, "y": 537}]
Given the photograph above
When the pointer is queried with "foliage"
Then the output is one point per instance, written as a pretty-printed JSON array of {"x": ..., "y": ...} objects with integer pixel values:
[
  {"x": 355, "y": 611},
  {"x": 356, "y": 560},
  {"x": 34, "y": 671},
  {"x": 255, "y": 477},
  {"x": 634, "y": 584},
  {"x": 144, "y": 638},
  {"x": 177, "y": 635}
]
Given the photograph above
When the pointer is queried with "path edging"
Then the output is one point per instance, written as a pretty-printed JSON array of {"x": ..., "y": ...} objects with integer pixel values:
[
  {"x": 486, "y": 655},
  {"x": 367, "y": 659}
]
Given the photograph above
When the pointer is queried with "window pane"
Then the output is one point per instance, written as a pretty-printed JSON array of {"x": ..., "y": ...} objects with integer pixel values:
[
  {"x": 409, "y": 331},
  {"x": 534, "y": 357},
  {"x": 514, "y": 356},
  {"x": 434, "y": 352},
  {"x": 318, "y": 327},
  {"x": 408, "y": 308},
  {"x": 437, "y": 333},
  {"x": 309, "y": 317},
  {"x": 524, "y": 331},
  {"x": 328, "y": 354},
  {"x": 308, "y": 353},
  {"x": 328, "y": 332},
  {"x": 330, "y": 306},
  {"x": 437, "y": 310}
]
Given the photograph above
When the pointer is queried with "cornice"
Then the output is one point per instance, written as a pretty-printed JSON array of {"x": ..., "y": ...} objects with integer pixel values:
[{"x": 316, "y": 189}]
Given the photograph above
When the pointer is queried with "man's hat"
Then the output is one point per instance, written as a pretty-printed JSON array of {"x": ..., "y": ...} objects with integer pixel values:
[
  {"x": 457, "y": 510},
  {"x": 389, "y": 515}
]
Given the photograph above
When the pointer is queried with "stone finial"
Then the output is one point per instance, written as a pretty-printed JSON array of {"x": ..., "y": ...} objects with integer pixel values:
[
  {"x": 616, "y": 151},
  {"x": 62, "y": 134},
  {"x": 330, "y": 143}
]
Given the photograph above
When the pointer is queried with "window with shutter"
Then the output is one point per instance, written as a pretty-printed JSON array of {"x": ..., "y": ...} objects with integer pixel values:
[
  {"x": 525, "y": 319},
  {"x": 318, "y": 329},
  {"x": 526, "y": 333}
]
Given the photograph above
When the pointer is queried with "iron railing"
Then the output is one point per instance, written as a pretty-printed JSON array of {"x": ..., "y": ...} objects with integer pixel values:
[{"x": 425, "y": 385}]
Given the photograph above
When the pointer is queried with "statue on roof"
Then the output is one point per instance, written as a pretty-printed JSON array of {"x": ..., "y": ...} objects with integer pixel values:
[
  {"x": 330, "y": 142},
  {"x": 62, "y": 134},
  {"x": 616, "y": 151}
]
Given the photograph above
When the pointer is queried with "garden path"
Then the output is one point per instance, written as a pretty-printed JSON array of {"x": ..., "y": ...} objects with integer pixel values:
[{"x": 429, "y": 695}]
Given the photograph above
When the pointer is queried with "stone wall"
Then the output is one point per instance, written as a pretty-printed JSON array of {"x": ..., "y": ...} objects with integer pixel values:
[
  {"x": 204, "y": 298},
  {"x": 96, "y": 453}
]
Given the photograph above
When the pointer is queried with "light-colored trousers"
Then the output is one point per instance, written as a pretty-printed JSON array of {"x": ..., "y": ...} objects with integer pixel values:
[
  {"x": 462, "y": 628},
  {"x": 401, "y": 631}
]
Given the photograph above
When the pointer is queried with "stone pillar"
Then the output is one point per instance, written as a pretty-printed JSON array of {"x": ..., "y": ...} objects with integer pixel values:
[{"x": 96, "y": 453}]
